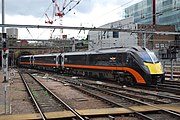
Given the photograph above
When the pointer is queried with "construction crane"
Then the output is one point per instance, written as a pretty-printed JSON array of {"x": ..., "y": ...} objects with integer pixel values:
[{"x": 60, "y": 8}]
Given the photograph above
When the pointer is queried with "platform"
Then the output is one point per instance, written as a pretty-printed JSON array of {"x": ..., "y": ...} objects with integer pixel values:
[{"x": 92, "y": 112}]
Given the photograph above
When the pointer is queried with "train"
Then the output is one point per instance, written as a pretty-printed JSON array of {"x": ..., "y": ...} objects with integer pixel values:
[{"x": 130, "y": 65}]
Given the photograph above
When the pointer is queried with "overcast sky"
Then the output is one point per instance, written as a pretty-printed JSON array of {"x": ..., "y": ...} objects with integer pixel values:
[{"x": 87, "y": 13}]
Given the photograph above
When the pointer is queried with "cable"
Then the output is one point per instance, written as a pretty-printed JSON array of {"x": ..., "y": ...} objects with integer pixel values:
[
  {"x": 52, "y": 32},
  {"x": 64, "y": 7},
  {"x": 29, "y": 32},
  {"x": 73, "y": 7},
  {"x": 112, "y": 10},
  {"x": 45, "y": 11}
]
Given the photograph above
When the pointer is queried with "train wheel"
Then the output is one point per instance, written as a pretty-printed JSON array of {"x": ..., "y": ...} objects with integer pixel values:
[{"x": 130, "y": 80}]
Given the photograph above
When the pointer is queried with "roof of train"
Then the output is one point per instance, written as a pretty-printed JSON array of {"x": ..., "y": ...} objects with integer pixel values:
[
  {"x": 112, "y": 50},
  {"x": 115, "y": 50},
  {"x": 26, "y": 56},
  {"x": 52, "y": 54},
  {"x": 40, "y": 55}
]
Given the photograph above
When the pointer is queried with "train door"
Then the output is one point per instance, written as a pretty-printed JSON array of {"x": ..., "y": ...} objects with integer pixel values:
[
  {"x": 33, "y": 59},
  {"x": 129, "y": 77},
  {"x": 62, "y": 61},
  {"x": 30, "y": 61},
  {"x": 57, "y": 61}
]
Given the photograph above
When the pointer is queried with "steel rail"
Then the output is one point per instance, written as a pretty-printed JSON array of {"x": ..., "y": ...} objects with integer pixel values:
[
  {"x": 33, "y": 98},
  {"x": 54, "y": 95},
  {"x": 105, "y": 99},
  {"x": 145, "y": 103},
  {"x": 132, "y": 99},
  {"x": 152, "y": 94},
  {"x": 169, "y": 86},
  {"x": 112, "y": 102},
  {"x": 166, "y": 89}
]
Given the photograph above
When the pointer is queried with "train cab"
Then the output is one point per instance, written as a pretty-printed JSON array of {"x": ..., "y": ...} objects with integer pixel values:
[{"x": 153, "y": 65}]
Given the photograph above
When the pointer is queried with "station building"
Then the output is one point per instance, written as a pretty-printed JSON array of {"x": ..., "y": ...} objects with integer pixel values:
[{"x": 110, "y": 39}]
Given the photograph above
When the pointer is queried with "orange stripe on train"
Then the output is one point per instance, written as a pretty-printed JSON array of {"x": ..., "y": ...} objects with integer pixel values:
[{"x": 137, "y": 76}]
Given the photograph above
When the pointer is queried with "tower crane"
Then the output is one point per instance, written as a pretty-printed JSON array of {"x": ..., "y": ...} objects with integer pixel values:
[{"x": 60, "y": 8}]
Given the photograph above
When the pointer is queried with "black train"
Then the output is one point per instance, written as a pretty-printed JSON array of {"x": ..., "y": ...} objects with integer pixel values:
[{"x": 131, "y": 65}]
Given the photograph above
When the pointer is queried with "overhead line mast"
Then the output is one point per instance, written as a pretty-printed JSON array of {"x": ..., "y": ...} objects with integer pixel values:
[{"x": 154, "y": 11}]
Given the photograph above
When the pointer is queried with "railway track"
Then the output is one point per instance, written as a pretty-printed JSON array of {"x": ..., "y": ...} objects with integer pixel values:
[
  {"x": 161, "y": 88},
  {"x": 97, "y": 91},
  {"x": 149, "y": 96},
  {"x": 154, "y": 93},
  {"x": 176, "y": 75},
  {"x": 172, "y": 88},
  {"x": 172, "y": 82},
  {"x": 44, "y": 99}
]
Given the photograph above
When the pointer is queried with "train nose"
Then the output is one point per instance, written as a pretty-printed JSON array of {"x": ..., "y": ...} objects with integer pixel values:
[{"x": 154, "y": 68}]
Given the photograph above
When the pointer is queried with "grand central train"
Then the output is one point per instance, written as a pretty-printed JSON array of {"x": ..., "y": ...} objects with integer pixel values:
[{"x": 133, "y": 65}]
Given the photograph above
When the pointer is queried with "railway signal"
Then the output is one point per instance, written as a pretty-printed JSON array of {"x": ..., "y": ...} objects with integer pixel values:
[
  {"x": 4, "y": 50},
  {"x": 4, "y": 57}
]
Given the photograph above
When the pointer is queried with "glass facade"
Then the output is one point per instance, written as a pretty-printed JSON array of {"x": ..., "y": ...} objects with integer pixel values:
[{"x": 167, "y": 12}]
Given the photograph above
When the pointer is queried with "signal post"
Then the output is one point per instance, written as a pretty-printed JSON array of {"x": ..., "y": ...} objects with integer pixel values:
[
  {"x": 4, "y": 48},
  {"x": 4, "y": 58}
]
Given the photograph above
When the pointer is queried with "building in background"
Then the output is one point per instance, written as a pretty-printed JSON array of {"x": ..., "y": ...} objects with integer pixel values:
[
  {"x": 167, "y": 12},
  {"x": 155, "y": 42},
  {"x": 12, "y": 35},
  {"x": 110, "y": 39}
]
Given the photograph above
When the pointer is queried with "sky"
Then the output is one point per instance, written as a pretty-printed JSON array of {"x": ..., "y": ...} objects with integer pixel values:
[{"x": 88, "y": 13}]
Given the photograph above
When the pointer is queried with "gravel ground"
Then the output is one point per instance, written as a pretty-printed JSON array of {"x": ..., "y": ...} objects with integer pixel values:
[
  {"x": 17, "y": 100},
  {"x": 71, "y": 96},
  {"x": 21, "y": 103},
  {"x": 77, "y": 99}
]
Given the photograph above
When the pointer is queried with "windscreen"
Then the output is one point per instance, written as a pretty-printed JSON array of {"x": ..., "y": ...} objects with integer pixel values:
[
  {"x": 148, "y": 57},
  {"x": 153, "y": 57}
]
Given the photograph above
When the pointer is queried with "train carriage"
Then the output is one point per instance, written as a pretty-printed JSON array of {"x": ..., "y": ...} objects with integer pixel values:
[
  {"x": 133, "y": 65},
  {"x": 47, "y": 61},
  {"x": 44, "y": 61},
  {"x": 26, "y": 61}
]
